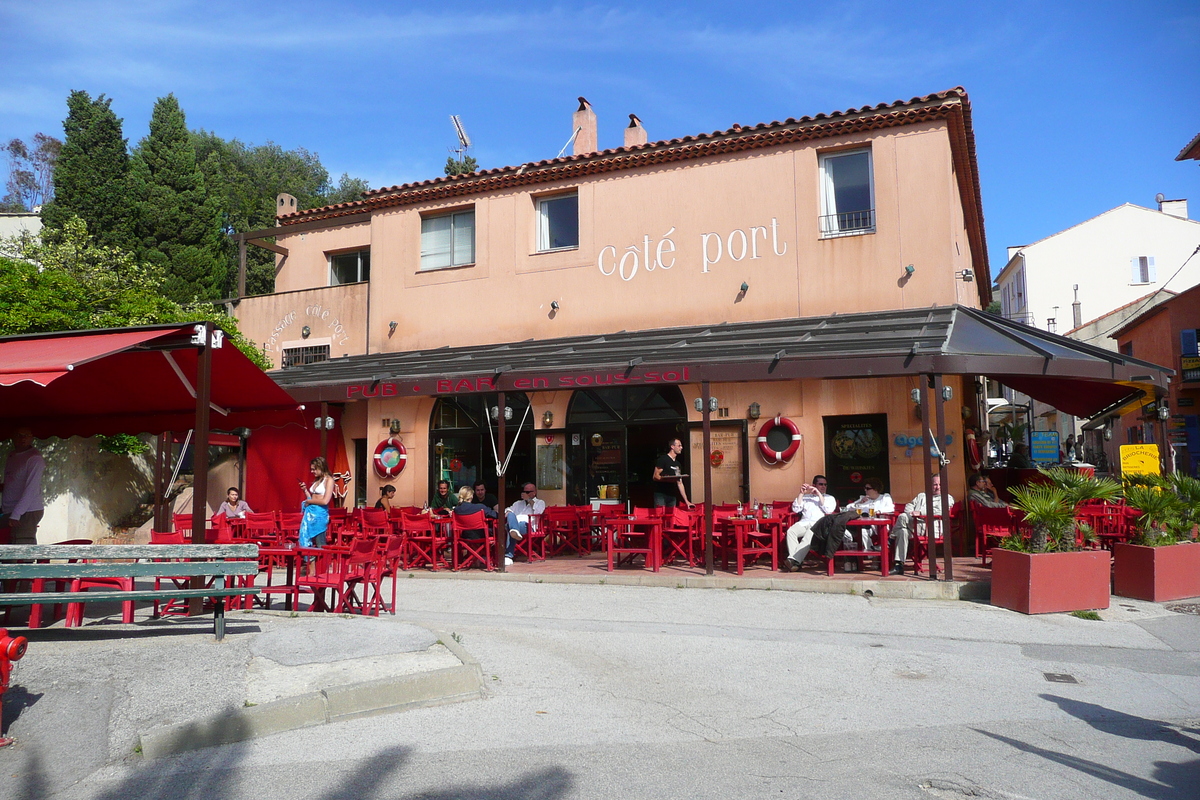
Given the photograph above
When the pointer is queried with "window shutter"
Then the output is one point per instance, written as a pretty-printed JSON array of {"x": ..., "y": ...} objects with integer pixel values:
[
  {"x": 1135, "y": 270},
  {"x": 1187, "y": 343},
  {"x": 1150, "y": 269}
]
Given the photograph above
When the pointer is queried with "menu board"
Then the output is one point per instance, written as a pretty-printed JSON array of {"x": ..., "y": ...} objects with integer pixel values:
[
  {"x": 855, "y": 449},
  {"x": 1044, "y": 447},
  {"x": 550, "y": 466}
]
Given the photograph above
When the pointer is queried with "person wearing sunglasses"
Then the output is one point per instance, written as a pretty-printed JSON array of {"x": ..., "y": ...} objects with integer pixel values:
[
  {"x": 518, "y": 515},
  {"x": 813, "y": 503}
]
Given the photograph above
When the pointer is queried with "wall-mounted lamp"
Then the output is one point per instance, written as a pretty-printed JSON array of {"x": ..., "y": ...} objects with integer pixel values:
[
  {"x": 325, "y": 423},
  {"x": 1108, "y": 434},
  {"x": 548, "y": 419},
  {"x": 745, "y": 287},
  {"x": 1164, "y": 413},
  {"x": 966, "y": 275},
  {"x": 947, "y": 392},
  {"x": 554, "y": 305},
  {"x": 909, "y": 269},
  {"x": 392, "y": 327},
  {"x": 305, "y": 332},
  {"x": 507, "y": 412},
  {"x": 915, "y": 394},
  {"x": 712, "y": 404},
  {"x": 755, "y": 411},
  {"x": 394, "y": 426}
]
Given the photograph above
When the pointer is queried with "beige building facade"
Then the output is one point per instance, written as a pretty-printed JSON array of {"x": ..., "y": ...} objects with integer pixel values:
[{"x": 866, "y": 210}]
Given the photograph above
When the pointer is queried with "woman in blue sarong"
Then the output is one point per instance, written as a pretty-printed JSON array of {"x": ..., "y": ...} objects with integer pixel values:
[{"x": 315, "y": 522}]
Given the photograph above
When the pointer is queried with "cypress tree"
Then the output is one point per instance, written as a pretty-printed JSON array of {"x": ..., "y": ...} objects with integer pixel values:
[
  {"x": 91, "y": 175},
  {"x": 178, "y": 223}
]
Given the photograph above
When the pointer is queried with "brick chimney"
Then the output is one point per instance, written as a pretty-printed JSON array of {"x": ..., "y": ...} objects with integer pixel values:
[
  {"x": 584, "y": 121},
  {"x": 285, "y": 204},
  {"x": 635, "y": 133}
]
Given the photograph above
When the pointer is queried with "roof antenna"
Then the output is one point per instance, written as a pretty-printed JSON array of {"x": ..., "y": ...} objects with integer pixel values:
[
  {"x": 578, "y": 128},
  {"x": 464, "y": 141}
]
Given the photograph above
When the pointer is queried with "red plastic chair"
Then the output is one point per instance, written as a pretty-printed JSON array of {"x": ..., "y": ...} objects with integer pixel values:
[
  {"x": 680, "y": 535},
  {"x": 288, "y": 525},
  {"x": 625, "y": 542},
  {"x": 375, "y": 523},
  {"x": 337, "y": 521},
  {"x": 39, "y": 584},
  {"x": 362, "y": 567},
  {"x": 990, "y": 523},
  {"x": 424, "y": 541},
  {"x": 533, "y": 544},
  {"x": 391, "y": 562},
  {"x": 564, "y": 531},
  {"x": 465, "y": 552},
  {"x": 742, "y": 540},
  {"x": 263, "y": 528}
]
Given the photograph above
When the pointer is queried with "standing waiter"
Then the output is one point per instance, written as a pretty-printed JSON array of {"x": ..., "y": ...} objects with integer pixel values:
[{"x": 668, "y": 478}]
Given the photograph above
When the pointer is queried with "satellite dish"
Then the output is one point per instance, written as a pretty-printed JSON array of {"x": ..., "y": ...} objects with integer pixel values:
[{"x": 1158, "y": 198}]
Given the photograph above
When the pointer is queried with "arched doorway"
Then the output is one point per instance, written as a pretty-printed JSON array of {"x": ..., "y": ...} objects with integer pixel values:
[
  {"x": 621, "y": 433},
  {"x": 460, "y": 443}
]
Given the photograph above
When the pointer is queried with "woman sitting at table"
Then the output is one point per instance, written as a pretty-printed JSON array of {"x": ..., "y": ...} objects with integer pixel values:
[
  {"x": 234, "y": 507},
  {"x": 387, "y": 493},
  {"x": 467, "y": 505},
  {"x": 315, "y": 522},
  {"x": 873, "y": 500}
]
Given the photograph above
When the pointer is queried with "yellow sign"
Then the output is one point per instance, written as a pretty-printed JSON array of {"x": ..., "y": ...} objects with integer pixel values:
[{"x": 1139, "y": 459}]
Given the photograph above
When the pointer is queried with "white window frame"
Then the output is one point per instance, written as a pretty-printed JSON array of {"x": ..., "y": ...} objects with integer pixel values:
[
  {"x": 454, "y": 217},
  {"x": 329, "y": 257},
  {"x": 543, "y": 223},
  {"x": 831, "y": 226},
  {"x": 1142, "y": 271}
]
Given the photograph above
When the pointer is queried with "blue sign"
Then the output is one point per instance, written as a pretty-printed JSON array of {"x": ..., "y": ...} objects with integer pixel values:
[{"x": 1044, "y": 449}]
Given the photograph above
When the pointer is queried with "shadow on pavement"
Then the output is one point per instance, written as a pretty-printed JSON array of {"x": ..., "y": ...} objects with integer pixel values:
[
  {"x": 16, "y": 700},
  {"x": 1179, "y": 781},
  {"x": 180, "y": 626},
  {"x": 1118, "y": 723}
]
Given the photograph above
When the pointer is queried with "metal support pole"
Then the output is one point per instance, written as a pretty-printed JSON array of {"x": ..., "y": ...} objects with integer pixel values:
[
  {"x": 927, "y": 472},
  {"x": 200, "y": 455},
  {"x": 706, "y": 451},
  {"x": 241, "y": 268},
  {"x": 943, "y": 473},
  {"x": 501, "y": 525},
  {"x": 162, "y": 460}
]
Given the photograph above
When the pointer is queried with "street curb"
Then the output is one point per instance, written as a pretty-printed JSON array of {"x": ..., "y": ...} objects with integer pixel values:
[
  {"x": 911, "y": 590},
  {"x": 333, "y": 704}
]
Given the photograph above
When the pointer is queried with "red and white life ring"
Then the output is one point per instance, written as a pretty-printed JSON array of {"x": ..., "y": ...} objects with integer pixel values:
[
  {"x": 775, "y": 456},
  {"x": 390, "y": 458}
]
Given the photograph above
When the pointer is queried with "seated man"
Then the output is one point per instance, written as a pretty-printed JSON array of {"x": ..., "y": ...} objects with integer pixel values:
[
  {"x": 484, "y": 497},
  {"x": 518, "y": 515},
  {"x": 916, "y": 509},
  {"x": 812, "y": 504},
  {"x": 873, "y": 500},
  {"x": 444, "y": 499},
  {"x": 466, "y": 505},
  {"x": 982, "y": 492}
]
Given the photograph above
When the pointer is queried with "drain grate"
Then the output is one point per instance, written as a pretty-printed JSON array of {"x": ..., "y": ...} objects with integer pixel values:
[
  {"x": 1059, "y": 677},
  {"x": 1185, "y": 608}
]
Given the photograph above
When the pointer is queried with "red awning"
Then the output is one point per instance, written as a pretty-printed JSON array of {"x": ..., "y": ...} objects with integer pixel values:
[{"x": 134, "y": 380}]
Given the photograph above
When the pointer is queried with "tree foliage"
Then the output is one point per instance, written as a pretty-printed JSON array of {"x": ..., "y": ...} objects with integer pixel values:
[
  {"x": 30, "y": 172},
  {"x": 455, "y": 166},
  {"x": 178, "y": 224},
  {"x": 91, "y": 174},
  {"x": 63, "y": 280}
]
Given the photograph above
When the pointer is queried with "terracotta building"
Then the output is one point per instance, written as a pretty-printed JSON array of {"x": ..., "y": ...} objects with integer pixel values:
[{"x": 808, "y": 270}]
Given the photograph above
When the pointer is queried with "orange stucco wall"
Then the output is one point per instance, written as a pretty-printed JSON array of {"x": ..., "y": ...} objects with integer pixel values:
[{"x": 334, "y": 315}]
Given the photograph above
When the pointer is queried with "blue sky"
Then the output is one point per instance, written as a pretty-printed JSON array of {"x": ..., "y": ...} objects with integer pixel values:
[{"x": 1077, "y": 107}]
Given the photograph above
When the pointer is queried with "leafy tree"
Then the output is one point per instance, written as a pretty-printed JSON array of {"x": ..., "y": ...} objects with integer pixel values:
[
  {"x": 178, "y": 222},
  {"x": 91, "y": 173},
  {"x": 463, "y": 166},
  {"x": 246, "y": 179},
  {"x": 30, "y": 172},
  {"x": 994, "y": 308}
]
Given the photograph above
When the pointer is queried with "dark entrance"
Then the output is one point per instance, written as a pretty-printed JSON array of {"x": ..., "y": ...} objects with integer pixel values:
[
  {"x": 614, "y": 436},
  {"x": 460, "y": 444}
]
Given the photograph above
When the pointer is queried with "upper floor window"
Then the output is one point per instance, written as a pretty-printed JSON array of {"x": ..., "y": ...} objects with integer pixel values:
[
  {"x": 847, "y": 194},
  {"x": 558, "y": 222},
  {"x": 448, "y": 240},
  {"x": 349, "y": 267},
  {"x": 1142, "y": 269}
]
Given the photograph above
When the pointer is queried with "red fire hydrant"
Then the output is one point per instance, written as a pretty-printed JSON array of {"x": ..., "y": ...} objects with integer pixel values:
[{"x": 12, "y": 648}]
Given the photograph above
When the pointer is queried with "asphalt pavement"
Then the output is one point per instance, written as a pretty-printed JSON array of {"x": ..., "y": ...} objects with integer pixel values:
[{"x": 621, "y": 691}]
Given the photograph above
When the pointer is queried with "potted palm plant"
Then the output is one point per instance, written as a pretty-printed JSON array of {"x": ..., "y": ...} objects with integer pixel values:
[
  {"x": 1049, "y": 571},
  {"x": 1161, "y": 562}
]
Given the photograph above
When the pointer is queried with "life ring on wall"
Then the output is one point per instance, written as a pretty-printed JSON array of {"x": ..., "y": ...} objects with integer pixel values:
[
  {"x": 776, "y": 456},
  {"x": 390, "y": 458}
]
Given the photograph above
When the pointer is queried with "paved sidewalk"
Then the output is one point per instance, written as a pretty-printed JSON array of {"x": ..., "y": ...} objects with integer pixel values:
[{"x": 106, "y": 693}]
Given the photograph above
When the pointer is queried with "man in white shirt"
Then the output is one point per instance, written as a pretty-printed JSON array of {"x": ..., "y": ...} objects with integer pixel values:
[
  {"x": 811, "y": 504},
  {"x": 902, "y": 531},
  {"x": 21, "y": 507},
  {"x": 518, "y": 514}
]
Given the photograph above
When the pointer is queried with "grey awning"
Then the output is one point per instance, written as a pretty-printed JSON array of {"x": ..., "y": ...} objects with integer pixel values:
[{"x": 946, "y": 339}]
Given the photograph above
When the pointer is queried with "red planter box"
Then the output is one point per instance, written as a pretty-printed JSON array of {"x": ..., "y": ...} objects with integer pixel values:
[
  {"x": 1041, "y": 583},
  {"x": 1157, "y": 573}
]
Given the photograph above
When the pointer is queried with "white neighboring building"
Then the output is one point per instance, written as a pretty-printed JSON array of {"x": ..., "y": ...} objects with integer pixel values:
[
  {"x": 14, "y": 223},
  {"x": 1113, "y": 259}
]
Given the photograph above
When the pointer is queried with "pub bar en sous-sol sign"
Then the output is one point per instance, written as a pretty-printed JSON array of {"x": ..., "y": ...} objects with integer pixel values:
[{"x": 487, "y": 384}]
